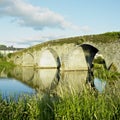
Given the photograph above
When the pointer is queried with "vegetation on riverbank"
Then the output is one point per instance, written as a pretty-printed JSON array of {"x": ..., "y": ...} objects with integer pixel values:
[
  {"x": 88, "y": 105},
  {"x": 4, "y": 65},
  {"x": 102, "y": 72}
]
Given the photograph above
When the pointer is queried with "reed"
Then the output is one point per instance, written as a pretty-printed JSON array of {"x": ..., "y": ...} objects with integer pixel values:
[{"x": 88, "y": 104}]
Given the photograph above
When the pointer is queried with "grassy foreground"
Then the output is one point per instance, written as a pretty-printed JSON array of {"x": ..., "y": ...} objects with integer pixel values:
[{"x": 88, "y": 105}]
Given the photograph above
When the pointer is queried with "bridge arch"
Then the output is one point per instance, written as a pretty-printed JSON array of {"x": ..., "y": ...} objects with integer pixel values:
[
  {"x": 18, "y": 60},
  {"x": 28, "y": 59},
  {"x": 98, "y": 49},
  {"x": 49, "y": 59},
  {"x": 89, "y": 52},
  {"x": 75, "y": 60}
]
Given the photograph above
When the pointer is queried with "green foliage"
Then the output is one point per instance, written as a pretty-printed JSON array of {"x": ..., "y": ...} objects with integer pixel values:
[
  {"x": 113, "y": 34},
  {"x": 9, "y": 55},
  {"x": 99, "y": 60},
  {"x": 3, "y": 46},
  {"x": 84, "y": 106},
  {"x": 101, "y": 72},
  {"x": 26, "y": 108},
  {"x": 105, "y": 74},
  {"x": 6, "y": 65},
  {"x": 88, "y": 106}
]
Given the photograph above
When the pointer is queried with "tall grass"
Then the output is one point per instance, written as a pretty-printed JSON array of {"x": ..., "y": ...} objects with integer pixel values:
[
  {"x": 27, "y": 108},
  {"x": 87, "y": 105}
]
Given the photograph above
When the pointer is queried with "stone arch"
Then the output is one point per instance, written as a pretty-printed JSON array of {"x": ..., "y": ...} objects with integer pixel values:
[
  {"x": 76, "y": 60},
  {"x": 28, "y": 59},
  {"x": 89, "y": 52},
  {"x": 49, "y": 59},
  {"x": 101, "y": 50},
  {"x": 18, "y": 60}
]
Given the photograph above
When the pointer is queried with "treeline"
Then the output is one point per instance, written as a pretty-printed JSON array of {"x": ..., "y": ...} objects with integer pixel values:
[{"x": 4, "y": 47}]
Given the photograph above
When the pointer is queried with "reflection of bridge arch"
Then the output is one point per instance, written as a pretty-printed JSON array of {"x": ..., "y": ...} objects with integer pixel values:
[
  {"x": 48, "y": 77},
  {"x": 28, "y": 59},
  {"x": 24, "y": 75},
  {"x": 49, "y": 59}
]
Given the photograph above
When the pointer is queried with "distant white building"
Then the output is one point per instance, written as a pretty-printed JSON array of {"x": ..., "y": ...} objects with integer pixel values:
[{"x": 6, "y": 51}]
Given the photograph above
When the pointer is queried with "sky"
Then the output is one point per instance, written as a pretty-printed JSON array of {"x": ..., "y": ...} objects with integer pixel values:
[{"x": 24, "y": 23}]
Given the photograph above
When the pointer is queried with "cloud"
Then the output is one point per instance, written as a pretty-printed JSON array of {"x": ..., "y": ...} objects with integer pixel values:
[
  {"x": 32, "y": 40},
  {"x": 38, "y": 18}
]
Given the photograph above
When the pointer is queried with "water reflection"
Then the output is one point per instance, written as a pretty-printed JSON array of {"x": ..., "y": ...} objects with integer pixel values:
[
  {"x": 30, "y": 81},
  {"x": 53, "y": 80},
  {"x": 23, "y": 73},
  {"x": 71, "y": 81},
  {"x": 99, "y": 84},
  {"x": 40, "y": 79},
  {"x": 44, "y": 78},
  {"x": 12, "y": 87},
  {"x": 50, "y": 79}
]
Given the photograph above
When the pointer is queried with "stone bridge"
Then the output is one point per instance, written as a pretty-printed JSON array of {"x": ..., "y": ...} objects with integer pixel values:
[{"x": 68, "y": 56}]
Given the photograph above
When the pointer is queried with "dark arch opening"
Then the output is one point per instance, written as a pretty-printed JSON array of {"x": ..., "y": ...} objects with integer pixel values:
[{"x": 89, "y": 51}]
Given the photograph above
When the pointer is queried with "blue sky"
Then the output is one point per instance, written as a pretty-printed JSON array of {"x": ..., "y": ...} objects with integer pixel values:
[{"x": 24, "y": 23}]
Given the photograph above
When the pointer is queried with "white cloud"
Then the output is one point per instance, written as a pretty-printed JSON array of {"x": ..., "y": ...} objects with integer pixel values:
[
  {"x": 38, "y": 18},
  {"x": 32, "y": 40},
  {"x": 31, "y": 16}
]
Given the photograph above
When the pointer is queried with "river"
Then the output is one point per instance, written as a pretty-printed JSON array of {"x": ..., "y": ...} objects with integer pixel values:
[{"x": 27, "y": 80}]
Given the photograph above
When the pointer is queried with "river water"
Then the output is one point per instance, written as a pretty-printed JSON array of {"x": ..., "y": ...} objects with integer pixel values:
[{"x": 26, "y": 80}]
